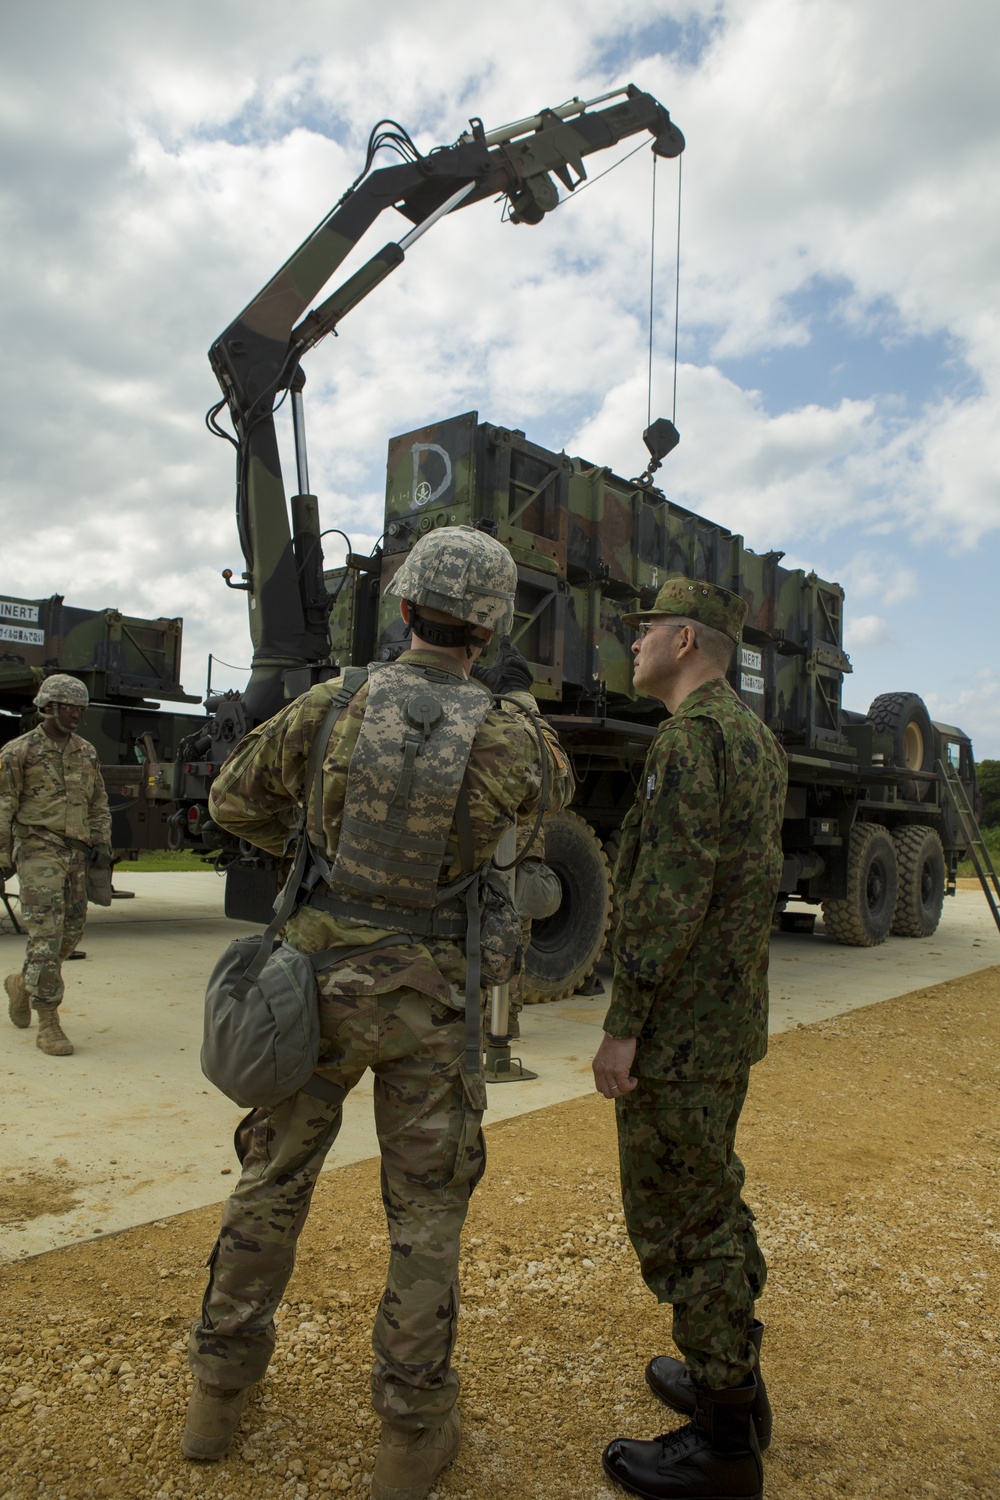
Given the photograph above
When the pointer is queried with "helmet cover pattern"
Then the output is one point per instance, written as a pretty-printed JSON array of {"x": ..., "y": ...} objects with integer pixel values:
[
  {"x": 61, "y": 688},
  {"x": 463, "y": 572}
]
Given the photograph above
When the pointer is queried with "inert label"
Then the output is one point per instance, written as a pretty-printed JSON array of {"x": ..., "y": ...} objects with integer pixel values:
[
  {"x": 750, "y": 659},
  {"x": 11, "y": 609},
  {"x": 751, "y": 684}
]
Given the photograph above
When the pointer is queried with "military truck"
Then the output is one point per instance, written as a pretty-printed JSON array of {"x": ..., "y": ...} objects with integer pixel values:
[
  {"x": 125, "y": 663},
  {"x": 869, "y": 832}
]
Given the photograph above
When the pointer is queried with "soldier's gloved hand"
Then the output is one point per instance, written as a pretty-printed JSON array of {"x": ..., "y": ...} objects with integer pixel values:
[
  {"x": 510, "y": 673},
  {"x": 100, "y": 857}
]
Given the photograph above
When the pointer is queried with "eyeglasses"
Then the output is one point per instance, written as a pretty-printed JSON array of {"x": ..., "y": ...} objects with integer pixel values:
[{"x": 643, "y": 629}]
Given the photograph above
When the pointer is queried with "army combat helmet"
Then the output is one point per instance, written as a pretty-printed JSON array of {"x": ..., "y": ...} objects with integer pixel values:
[
  {"x": 61, "y": 688},
  {"x": 464, "y": 573}
]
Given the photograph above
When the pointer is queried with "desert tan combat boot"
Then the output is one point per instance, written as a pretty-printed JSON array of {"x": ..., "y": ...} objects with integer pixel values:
[
  {"x": 407, "y": 1463},
  {"x": 51, "y": 1037},
  {"x": 19, "y": 1001},
  {"x": 213, "y": 1416}
]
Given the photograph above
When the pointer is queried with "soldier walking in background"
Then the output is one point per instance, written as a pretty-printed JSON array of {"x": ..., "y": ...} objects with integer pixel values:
[
  {"x": 696, "y": 879},
  {"x": 422, "y": 775},
  {"x": 54, "y": 819}
]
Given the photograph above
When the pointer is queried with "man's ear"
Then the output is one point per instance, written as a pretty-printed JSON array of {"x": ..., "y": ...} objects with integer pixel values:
[
  {"x": 691, "y": 644},
  {"x": 404, "y": 610}
]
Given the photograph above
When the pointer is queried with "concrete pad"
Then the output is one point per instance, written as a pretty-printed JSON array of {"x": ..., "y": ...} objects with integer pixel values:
[{"x": 127, "y": 1130}]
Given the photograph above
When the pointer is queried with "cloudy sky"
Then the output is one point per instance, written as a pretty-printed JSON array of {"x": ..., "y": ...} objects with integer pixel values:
[{"x": 839, "y": 325}]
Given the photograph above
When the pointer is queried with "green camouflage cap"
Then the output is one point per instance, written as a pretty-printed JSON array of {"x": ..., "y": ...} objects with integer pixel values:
[
  {"x": 694, "y": 599},
  {"x": 61, "y": 688},
  {"x": 465, "y": 573}
]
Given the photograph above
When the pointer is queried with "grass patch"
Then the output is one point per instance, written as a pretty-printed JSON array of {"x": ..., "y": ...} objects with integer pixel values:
[{"x": 159, "y": 860}]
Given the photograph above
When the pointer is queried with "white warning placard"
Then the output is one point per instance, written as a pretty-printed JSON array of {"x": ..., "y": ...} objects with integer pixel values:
[
  {"x": 750, "y": 659},
  {"x": 19, "y": 635},
  {"x": 750, "y": 683}
]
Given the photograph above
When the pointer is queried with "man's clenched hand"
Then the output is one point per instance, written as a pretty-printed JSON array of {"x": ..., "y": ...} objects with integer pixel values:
[{"x": 611, "y": 1067}]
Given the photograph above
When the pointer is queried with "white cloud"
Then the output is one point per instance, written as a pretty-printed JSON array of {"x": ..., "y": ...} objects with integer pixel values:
[
  {"x": 973, "y": 703},
  {"x": 866, "y": 633},
  {"x": 835, "y": 140},
  {"x": 776, "y": 480},
  {"x": 881, "y": 574}
]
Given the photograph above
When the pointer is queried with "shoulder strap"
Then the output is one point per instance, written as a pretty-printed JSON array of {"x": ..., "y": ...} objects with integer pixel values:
[
  {"x": 354, "y": 677},
  {"x": 285, "y": 900}
]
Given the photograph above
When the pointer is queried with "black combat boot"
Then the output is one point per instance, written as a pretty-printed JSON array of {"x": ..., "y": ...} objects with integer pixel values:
[
  {"x": 669, "y": 1379},
  {"x": 715, "y": 1457}
]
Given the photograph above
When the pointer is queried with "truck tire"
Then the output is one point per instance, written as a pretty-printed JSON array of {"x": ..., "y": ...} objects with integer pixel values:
[
  {"x": 920, "y": 860},
  {"x": 566, "y": 946},
  {"x": 905, "y": 717},
  {"x": 864, "y": 918}
]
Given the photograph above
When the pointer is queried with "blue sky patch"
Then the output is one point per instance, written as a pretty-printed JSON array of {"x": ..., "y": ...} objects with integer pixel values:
[
  {"x": 686, "y": 40},
  {"x": 843, "y": 360}
]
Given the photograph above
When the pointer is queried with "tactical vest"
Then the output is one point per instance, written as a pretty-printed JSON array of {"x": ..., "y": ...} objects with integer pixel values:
[
  {"x": 403, "y": 786},
  {"x": 405, "y": 790}
]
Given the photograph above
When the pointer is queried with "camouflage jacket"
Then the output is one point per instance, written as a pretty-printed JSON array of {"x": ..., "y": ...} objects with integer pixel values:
[
  {"x": 52, "y": 790},
  {"x": 258, "y": 793},
  {"x": 696, "y": 880}
]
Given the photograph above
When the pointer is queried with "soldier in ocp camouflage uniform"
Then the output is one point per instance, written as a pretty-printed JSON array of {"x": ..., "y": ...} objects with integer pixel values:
[
  {"x": 696, "y": 879},
  {"x": 54, "y": 818},
  {"x": 399, "y": 1011}
]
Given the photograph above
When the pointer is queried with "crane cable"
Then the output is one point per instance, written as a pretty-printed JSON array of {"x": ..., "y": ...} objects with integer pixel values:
[
  {"x": 677, "y": 281},
  {"x": 677, "y": 293}
]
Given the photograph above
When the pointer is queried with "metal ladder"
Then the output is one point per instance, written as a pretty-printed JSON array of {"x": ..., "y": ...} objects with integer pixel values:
[{"x": 980, "y": 855}]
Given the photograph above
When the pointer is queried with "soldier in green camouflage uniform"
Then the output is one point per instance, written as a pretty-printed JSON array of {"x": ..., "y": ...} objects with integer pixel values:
[
  {"x": 53, "y": 818},
  {"x": 399, "y": 1012},
  {"x": 696, "y": 880}
]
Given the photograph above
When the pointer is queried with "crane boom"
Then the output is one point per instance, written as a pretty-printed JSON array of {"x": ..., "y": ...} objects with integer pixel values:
[{"x": 258, "y": 356}]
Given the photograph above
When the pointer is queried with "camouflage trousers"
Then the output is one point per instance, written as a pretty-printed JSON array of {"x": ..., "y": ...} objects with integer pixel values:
[
  {"x": 433, "y": 1154},
  {"x": 53, "y": 894},
  {"x": 682, "y": 1186}
]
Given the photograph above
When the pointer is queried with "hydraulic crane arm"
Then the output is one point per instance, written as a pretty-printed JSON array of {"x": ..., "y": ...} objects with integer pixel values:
[{"x": 257, "y": 357}]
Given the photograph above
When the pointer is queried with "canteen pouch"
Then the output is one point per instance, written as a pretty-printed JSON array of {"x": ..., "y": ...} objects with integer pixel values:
[
  {"x": 261, "y": 1039},
  {"x": 499, "y": 930},
  {"x": 537, "y": 889},
  {"x": 98, "y": 885}
]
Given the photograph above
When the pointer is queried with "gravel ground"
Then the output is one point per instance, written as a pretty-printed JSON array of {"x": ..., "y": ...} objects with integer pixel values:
[{"x": 870, "y": 1142}]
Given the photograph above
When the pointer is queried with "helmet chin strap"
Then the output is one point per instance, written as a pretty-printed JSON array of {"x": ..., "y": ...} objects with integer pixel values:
[{"x": 437, "y": 634}]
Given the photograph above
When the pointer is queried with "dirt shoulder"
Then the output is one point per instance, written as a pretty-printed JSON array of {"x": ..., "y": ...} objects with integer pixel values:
[{"x": 871, "y": 1148}]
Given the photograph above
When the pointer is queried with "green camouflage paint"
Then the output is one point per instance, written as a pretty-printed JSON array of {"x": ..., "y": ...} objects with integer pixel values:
[{"x": 591, "y": 547}]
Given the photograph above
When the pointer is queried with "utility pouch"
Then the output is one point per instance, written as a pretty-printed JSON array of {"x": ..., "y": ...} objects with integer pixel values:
[
  {"x": 98, "y": 885},
  {"x": 261, "y": 1040},
  {"x": 537, "y": 889},
  {"x": 499, "y": 930}
]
